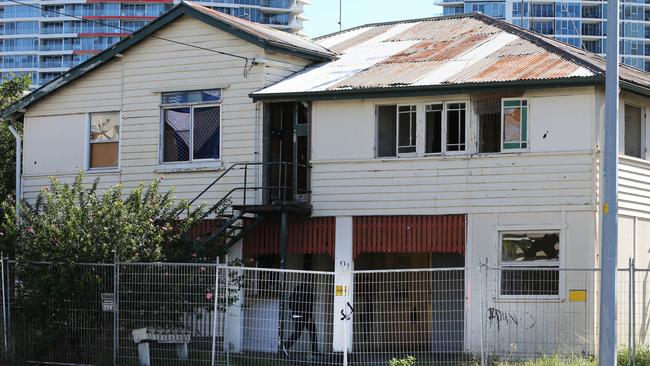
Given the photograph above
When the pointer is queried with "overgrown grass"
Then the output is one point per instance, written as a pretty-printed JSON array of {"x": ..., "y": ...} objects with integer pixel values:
[
  {"x": 642, "y": 356},
  {"x": 551, "y": 361}
]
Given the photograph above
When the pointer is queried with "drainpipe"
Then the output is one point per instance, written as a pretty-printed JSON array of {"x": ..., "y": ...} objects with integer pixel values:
[{"x": 18, "y": 167}]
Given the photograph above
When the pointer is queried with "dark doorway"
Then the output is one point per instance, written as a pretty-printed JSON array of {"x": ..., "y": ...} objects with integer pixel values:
[
  {"x": 414, "y": 312},
  {"x": 287, "y": 151}
]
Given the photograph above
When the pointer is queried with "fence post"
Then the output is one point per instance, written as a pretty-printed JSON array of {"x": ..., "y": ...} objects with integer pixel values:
[
  {"x": 7, "y": 294},
  {"x": 116, "y": 309},
  {"x": 214, "y": 313},
  {"x": 633, "y": 309},
  {"x": 4, "y": 305},
  {"x": 483, "y": 295},
  {"x": 226, "y": 304}
]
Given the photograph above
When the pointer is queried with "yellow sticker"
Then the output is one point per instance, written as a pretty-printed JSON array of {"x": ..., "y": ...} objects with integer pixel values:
[
  {"x": 340, "y": 290},
  {"x": 605, "y": 208},
  {"x": 577, "y": 295}
]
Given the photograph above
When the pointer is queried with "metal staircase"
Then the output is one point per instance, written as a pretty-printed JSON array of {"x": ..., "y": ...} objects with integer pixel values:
[{"x": 237, "y": 214}]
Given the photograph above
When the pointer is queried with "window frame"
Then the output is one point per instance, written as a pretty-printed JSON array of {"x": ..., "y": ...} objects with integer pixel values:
[
  {"x": 397, "y": 115},
  {"x": 87, "y": 154},
  {"x": 420, "y": 129},
  {"x": 527, "y": 122},
  {"x": 191, "y": 161},
  {"x": 443, "y": 131},
  {"x": 531, "y": 229},
  {"x": 445, "y": 123}
]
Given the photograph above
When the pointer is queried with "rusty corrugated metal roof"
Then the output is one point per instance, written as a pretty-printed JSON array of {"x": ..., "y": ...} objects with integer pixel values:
[{"x": 457, "y": 50}]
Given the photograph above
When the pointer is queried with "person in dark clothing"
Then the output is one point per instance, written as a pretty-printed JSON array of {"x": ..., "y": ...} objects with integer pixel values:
[{"x": 301, "y": 305}]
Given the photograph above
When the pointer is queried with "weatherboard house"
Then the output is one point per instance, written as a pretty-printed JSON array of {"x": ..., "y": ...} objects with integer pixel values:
[{"x": 438, "y": 142}]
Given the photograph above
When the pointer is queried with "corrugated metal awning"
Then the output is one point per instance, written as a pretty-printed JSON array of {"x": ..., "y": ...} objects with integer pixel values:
[
  {"x": 409, "y": 234},
  {"x": 314, "y": 235}
]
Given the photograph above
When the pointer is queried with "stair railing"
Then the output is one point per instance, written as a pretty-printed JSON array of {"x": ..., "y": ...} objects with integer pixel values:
[{"x": 284, "y": 192}]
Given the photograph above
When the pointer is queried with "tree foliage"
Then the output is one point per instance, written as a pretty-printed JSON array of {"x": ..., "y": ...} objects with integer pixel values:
[
  {"x": 10, "y": 91},
  {"x": 74, "y": 223}
]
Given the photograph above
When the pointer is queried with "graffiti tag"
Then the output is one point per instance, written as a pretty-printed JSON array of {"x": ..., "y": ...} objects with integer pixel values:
[{"x": 524, "y": 320}]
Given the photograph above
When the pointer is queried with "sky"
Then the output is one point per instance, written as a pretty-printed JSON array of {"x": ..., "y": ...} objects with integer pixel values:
[{"x": 324, "y": 14}]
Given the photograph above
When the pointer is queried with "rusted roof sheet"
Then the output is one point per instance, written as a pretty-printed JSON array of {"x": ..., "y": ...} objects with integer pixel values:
[{"x": 457, "y": 50}]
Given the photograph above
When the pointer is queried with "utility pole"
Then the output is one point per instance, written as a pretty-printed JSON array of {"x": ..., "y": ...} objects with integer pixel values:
[{"x": 609, "y": 248}]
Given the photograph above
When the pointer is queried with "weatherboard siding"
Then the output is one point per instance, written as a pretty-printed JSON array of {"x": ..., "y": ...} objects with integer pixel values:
[
  {"x": 454, "y": 185},
  {"x": 634, "y": 187},
  {"x": 132, "y": 84},
  {"x": 556, "y": 173}
]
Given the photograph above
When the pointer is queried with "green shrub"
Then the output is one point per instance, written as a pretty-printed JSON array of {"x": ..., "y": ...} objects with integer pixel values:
[
  {"x": 73, "y": 223},
  {"x": 407, "y": 361}
]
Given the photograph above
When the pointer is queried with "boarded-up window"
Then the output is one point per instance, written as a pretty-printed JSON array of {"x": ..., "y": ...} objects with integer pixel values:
[
  {"x": 515, "y": 124},
  {"x": 433, "y": 136},
  {"x": 386, "y": 130},
  {"x": 104, "y": 140},
  {"x": 530, "y": 263},
  {"x": 191, "y": 125}
]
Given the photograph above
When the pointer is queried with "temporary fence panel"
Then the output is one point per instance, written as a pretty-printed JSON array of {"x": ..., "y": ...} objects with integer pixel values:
[
  {"x": 166, "y": 314},
  {"x": 60, "y": 313},
  {"x": 213, "y": 314},
  {"x": 418, "y": 313},
  {"x": 537, "y": 312}
]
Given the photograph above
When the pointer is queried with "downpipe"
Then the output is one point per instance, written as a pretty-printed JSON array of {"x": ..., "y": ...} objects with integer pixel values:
[{"x": 19, "y": 149}]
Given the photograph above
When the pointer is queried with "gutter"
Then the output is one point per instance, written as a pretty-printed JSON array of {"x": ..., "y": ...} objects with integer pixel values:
[
  {"x": 19, "y": 150},
  {"x": 427, "y": 90}
]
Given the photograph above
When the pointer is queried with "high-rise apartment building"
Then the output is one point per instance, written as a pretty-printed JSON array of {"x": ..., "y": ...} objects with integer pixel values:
[
  {"x": 44, "y": 41},
  {"x": 580, "y": 23}
]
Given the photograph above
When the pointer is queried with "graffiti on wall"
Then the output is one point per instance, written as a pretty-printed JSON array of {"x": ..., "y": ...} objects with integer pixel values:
[{"x": 500, "y": 318}]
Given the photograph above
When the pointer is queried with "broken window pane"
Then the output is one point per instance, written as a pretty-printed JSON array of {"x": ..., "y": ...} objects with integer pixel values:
[
  {"x": 191, "y": 97},
  {"x": 515, "y": 124},
  {"x": 456, "y": 127},
  {"x": 104, "y": 140},
  {"x": 530, "y": 261},
  {"x": 489, "y": 124},
  {"x": 407, "y": 129},
  {"x": 206, "y": 132},
  {"x": 386, "y": 130},
  {"x": 433, "y": 137},
  {"x": 176, "y": 145}
]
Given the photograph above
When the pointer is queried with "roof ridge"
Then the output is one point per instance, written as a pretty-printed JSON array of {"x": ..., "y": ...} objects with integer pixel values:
[{"x": 393, "y": 22}]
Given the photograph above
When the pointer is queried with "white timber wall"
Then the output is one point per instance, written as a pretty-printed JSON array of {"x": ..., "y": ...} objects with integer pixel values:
[
  {"x": 556, "y": 174},
  {"x": 525, "y": 325},
  {"x": 132, "y": 85}
]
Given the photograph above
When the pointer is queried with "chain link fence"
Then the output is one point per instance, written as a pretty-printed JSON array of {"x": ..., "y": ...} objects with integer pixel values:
[{"x": 214, "y": 314}]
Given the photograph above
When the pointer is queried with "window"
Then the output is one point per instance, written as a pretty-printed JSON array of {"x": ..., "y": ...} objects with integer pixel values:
[
  {"x": 488, "y": 112},
  {"x": 515, "y": 124},
  {"x": 633, "y": 131},
  {"x": 456, "y": 117},
  {"x": 406, "y": 129},
  {"x": 396, "y": 130},
  {"x": 104, "y": 140},
  {"x": 191, "y": 125},
  {"x": 433, "y": 143},
  {"x": 386, "y": 130},
  {"x": 530, "y": 263}
]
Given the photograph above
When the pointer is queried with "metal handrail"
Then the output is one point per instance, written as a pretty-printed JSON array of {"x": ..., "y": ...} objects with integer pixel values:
[{"x": 282, "y": 187}]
